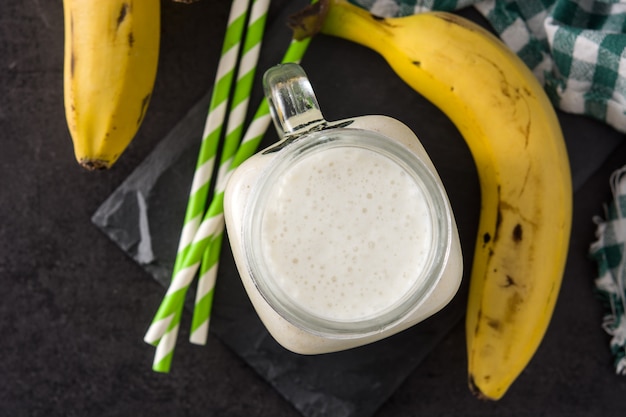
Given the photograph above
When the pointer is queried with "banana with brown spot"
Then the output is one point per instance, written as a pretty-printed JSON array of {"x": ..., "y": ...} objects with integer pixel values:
[
  {"x": 515, "y": 139},
  {"x": 110, "y": 65}
]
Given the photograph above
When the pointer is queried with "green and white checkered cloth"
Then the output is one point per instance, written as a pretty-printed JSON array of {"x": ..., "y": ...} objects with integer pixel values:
[
  {"x": 575, "y": 48},
  {"x": 609, "y": 252}
]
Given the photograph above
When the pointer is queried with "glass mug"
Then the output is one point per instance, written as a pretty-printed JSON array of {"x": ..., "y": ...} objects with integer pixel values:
[{"x": 342, "y": 231}]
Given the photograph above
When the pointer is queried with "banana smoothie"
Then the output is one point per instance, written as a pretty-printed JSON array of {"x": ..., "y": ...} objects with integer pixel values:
[
  {"x": 346, "y": 233},
  {"x": 342, "y": 238},
  {"x": 342, "y": 231}
]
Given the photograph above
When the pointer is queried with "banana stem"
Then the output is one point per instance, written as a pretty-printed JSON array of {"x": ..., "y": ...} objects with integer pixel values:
[{"x": 328, "y": 17}]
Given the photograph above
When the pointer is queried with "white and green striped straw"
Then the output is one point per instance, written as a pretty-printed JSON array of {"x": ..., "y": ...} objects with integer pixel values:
[
  {"x": 234, "y": 130},
  {"x": 210, "y": 232},
  {"x": 199, "y": 191},
  {"x": 224, "y": 76},
  {"x": 239, "y": 104},
  {"x": 212, "y": 226},
  {"x": 245, "y": 78}
]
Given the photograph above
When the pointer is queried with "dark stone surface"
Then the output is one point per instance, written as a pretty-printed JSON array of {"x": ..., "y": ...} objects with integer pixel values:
[{"x": 75, "y": 307}]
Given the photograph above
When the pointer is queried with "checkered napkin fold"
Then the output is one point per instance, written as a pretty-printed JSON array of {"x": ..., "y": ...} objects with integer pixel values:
[
  {"x": 575, "y": 48},
  {"x": 609, "y": 252}
]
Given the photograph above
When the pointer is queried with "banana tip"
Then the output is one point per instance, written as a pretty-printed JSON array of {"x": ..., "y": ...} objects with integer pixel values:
[
  {"x": 477, "y": 392},
  {"x": 94, "y": 164}
]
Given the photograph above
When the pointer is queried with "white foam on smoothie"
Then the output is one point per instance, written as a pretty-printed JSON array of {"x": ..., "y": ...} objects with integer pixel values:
[{"x": 346, "y": 233}]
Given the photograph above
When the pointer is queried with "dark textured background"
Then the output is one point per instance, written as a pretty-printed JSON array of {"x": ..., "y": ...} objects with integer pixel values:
[{"x": 74, "y": 307}]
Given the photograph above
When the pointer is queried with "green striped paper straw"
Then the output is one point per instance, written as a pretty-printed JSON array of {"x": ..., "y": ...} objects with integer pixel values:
[
  {"x": 206, "y": 246},
  {"x": 213, "y": 126},
  {"x": 205, "y": 290},
  {"x": 213, "y": 223},
  {"x": 234, "y": 131},
  {"x": 164, "y": 350},
  {"x": 199, "y": 191},
  {"x": 250, "y": 54},
  {"x": 172, "y": 305},
  {"x": 239, "y": 105},
  {"x": 210, "y": 230}
]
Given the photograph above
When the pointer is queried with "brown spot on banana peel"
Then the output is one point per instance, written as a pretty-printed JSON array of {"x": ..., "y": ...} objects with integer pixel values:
[
  {"x": 514, "y": 94},
  {"x": 479, "y": 315},
  {"x": 72, "y": 63},
  {"x": 504, "y": 88},
  {"x": 517, "y": 236},
  {"x": 458, "y": 21},
  {"x": 498, "y": 223},
  {"x": 510, "y": 282},
  {"x": 382, "y": 20},
  {"x": 517, "y": 233},
  {"x": 526, "y": 176},
  {"x": 513, "y": 303},
  {"x": 505, "y": 208},
  {"x": 131, "y": 40},
  {"x": 496, "y": 229},
  {"x": 144, "y": 107},
  {"x": 123, "y": 13},
  {"x": 525, "y": 130},
  {"x": 72, "y": 53},
  {"x": 495, "y": 324},
  {"x": 512, "y": 307},
  {"x": 553, "y": 293}
]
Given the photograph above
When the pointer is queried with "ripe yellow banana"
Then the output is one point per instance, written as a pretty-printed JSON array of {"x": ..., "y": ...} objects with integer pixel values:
[
  {"x": 110, "y": 64},
  {"x": 516, "y": 142}
]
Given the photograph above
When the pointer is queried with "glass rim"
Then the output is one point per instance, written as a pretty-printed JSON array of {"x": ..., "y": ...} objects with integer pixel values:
[{"x": 423, "y": 285}]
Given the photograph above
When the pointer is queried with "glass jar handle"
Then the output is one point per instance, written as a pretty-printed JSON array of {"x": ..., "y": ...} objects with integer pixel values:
[{"x": 291, "y": 99}]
